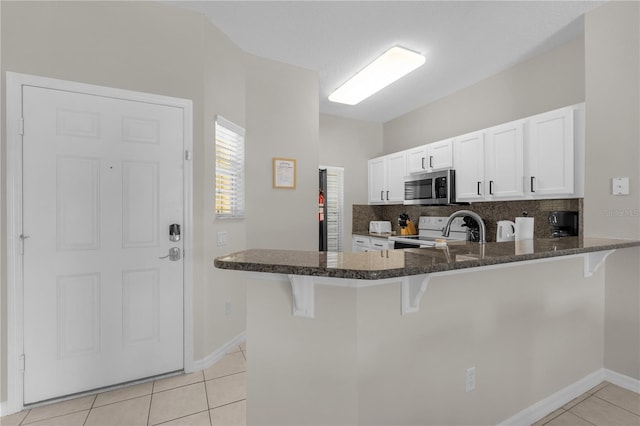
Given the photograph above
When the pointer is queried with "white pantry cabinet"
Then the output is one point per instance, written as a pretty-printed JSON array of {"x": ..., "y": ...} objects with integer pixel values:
[
  {"x": 386, "y": 178},
  {"x": 431, "y": 157},
  {"x": 550, "y": 153},
  {"x": 468, "y": 160}
]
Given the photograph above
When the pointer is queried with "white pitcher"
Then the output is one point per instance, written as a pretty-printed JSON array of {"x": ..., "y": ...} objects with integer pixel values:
[{"x": 506, "y": 231}]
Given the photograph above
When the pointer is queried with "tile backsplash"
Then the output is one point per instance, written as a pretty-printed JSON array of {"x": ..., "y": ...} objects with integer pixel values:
[{"x": 491, "y": 212}]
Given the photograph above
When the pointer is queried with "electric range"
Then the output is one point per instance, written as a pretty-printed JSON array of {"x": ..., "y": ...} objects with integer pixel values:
[{"x": 430, "y": 229}]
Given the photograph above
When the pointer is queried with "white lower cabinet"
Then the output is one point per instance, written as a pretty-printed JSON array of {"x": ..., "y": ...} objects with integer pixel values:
[
  {"x": 361, "y": 243},
  {"x": 377, "y": 244}
]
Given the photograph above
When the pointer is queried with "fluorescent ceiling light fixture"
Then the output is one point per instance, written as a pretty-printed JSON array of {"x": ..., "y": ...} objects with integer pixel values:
[{"x": 392, "y": 65}]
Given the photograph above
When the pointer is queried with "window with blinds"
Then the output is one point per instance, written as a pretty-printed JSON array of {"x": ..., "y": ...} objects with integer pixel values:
[
  {"x": 229, "y": 169},
  {"x": 334, "y": 200}
]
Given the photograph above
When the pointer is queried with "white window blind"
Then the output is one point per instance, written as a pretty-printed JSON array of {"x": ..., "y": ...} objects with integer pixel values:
[
  {"x": 335, "y": 199},
  {"x": 229, "y": 169}
]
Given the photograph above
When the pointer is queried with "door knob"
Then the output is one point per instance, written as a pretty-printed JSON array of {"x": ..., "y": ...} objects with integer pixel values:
[{"x": 174, "y": 254}]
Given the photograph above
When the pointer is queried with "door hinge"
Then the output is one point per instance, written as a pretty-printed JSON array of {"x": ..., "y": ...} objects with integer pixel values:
[
  {"x": 22, "y": 238},
  {"x": 21, "y": 363},
  {"x": 187, "y": 155},
  {"x": 21, "y": 126}
]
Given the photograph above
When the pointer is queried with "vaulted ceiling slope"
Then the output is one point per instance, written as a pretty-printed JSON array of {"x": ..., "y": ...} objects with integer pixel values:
[{"x": 464, "y": 41}]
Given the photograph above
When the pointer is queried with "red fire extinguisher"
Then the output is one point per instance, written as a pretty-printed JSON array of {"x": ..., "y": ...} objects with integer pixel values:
[{"x": 321, "y": 207}]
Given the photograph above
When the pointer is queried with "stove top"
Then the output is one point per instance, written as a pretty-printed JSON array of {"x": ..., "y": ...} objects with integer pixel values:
[{"x": 430, "y": 229}]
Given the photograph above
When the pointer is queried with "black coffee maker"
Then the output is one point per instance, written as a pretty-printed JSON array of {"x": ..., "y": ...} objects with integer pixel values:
[{"x": 563, "y": 224}]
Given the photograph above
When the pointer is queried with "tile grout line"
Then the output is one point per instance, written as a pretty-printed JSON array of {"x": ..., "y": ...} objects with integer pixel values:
[
  {"x": 22, "y": 423},
  {"x": 580, "y": 417},
  {"x": 153, "y": 386},
  {"x": 554, "y": 417},
  {"x": 181, "y": 417},
  {"x": 616, "y": 405},
  {"x": 206, "y": 395}
]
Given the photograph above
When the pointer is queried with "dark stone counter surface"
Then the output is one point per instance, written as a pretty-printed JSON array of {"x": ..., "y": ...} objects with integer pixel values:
[{"x": 376, "y": 265}]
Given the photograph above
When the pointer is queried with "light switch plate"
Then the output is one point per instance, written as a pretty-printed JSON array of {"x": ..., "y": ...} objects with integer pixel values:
[
  {"x": 620, "y": 186},
  {"x": 222, "y": 238}
]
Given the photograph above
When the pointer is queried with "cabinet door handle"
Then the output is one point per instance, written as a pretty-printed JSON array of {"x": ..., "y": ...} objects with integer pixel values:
[
  {"x": 479, "y": 188},
  {"x": 422, "y": 163},
  {"x": 387, "y": 195},
  {"x": 431, "y": 161},
  {"x": 490, "y": 187},
  {"x": 381, "y": 195},
  {"x": 532, "y": 180}
]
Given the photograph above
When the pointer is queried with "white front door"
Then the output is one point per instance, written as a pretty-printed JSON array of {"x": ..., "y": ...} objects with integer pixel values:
[{"x": 102, "y": 183}]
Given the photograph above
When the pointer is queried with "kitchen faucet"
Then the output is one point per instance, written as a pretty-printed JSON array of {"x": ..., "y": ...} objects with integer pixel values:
[{"x": 482, "y": 232}]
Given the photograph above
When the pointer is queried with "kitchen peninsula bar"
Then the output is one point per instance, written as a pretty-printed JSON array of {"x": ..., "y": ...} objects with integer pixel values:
[{"x": 389, "y": 337}]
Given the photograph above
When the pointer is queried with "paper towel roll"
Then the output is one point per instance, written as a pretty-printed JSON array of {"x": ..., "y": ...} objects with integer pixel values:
[
  {"x": 524, "y": 246},
  {"x": 524, "y": 228}
]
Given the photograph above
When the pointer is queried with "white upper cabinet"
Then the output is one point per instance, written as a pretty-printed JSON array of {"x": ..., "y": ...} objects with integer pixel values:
[
  {"x": 417, "y": 159},
  {"x": 440, "y": 155},
  {"x": 550, "y": 153},
  {"x": 386, "y": 178},
  {"x": 431, "y": 157},
  {"x": 538, "y": 157},
  {"x": 504, "y": 161},
  {"x": 377, "y": 180},
  {"x": 468, "y": 159}
]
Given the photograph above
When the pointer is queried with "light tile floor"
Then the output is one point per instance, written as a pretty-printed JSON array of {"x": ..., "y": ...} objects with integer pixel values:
[
  {"x": 217, "y": 396},
  {"x": 212, "y": 397},
  {"x": 604, "y": 405}
]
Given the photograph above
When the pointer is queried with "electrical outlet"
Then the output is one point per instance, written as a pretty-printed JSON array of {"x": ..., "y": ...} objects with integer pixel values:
[
  {"x": 620, "y": 186},
  {"x": 227, "y": 308},
  {"x": 222, "y": 238},
  {"x": 470, "y": 379}
]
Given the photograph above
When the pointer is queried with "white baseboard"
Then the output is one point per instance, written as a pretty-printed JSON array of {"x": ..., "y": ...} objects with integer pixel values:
[
  {"x": 551, "y": 403},
  {"x": 212, "y": 358},
  {"x": 623, "y": 381}
]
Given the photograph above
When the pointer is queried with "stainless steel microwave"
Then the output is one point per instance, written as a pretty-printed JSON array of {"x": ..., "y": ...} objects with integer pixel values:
[{"x": 430, "y": 188}]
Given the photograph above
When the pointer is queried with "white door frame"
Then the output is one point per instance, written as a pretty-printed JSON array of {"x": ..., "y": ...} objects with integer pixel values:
[{"x": 15, "y": 284}]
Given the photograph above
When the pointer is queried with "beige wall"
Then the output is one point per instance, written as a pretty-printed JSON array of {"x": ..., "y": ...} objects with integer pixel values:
[
  {"x": 224, "y": 93},
  {"x": 530, "y": 329},
  {"x": 548, "y": 81},
  {"x": 306, "y": 371},
  {"x": 613, "y": 119},
  {"x": 282, "y": 121},
  {"x": 613, "y": 149},
  {"x": 350, "y": 143}
]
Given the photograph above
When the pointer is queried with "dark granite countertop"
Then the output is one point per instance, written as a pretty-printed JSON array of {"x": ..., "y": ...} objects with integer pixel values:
[{"x": 376, "y": 265}]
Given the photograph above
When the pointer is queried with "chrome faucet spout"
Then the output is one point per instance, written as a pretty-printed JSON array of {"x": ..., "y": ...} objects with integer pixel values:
[{"x": 475, "y": 216}]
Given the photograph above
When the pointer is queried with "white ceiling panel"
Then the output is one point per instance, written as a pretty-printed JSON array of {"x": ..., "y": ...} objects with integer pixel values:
[{"x": 464, "y": 41}]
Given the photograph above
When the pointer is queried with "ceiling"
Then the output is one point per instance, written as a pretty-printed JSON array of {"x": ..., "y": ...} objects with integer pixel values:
[{"x": 464, "y": 41}]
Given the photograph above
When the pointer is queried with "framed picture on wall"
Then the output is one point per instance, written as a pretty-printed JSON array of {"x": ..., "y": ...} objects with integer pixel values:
[{"x": 284, "y": 173}]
